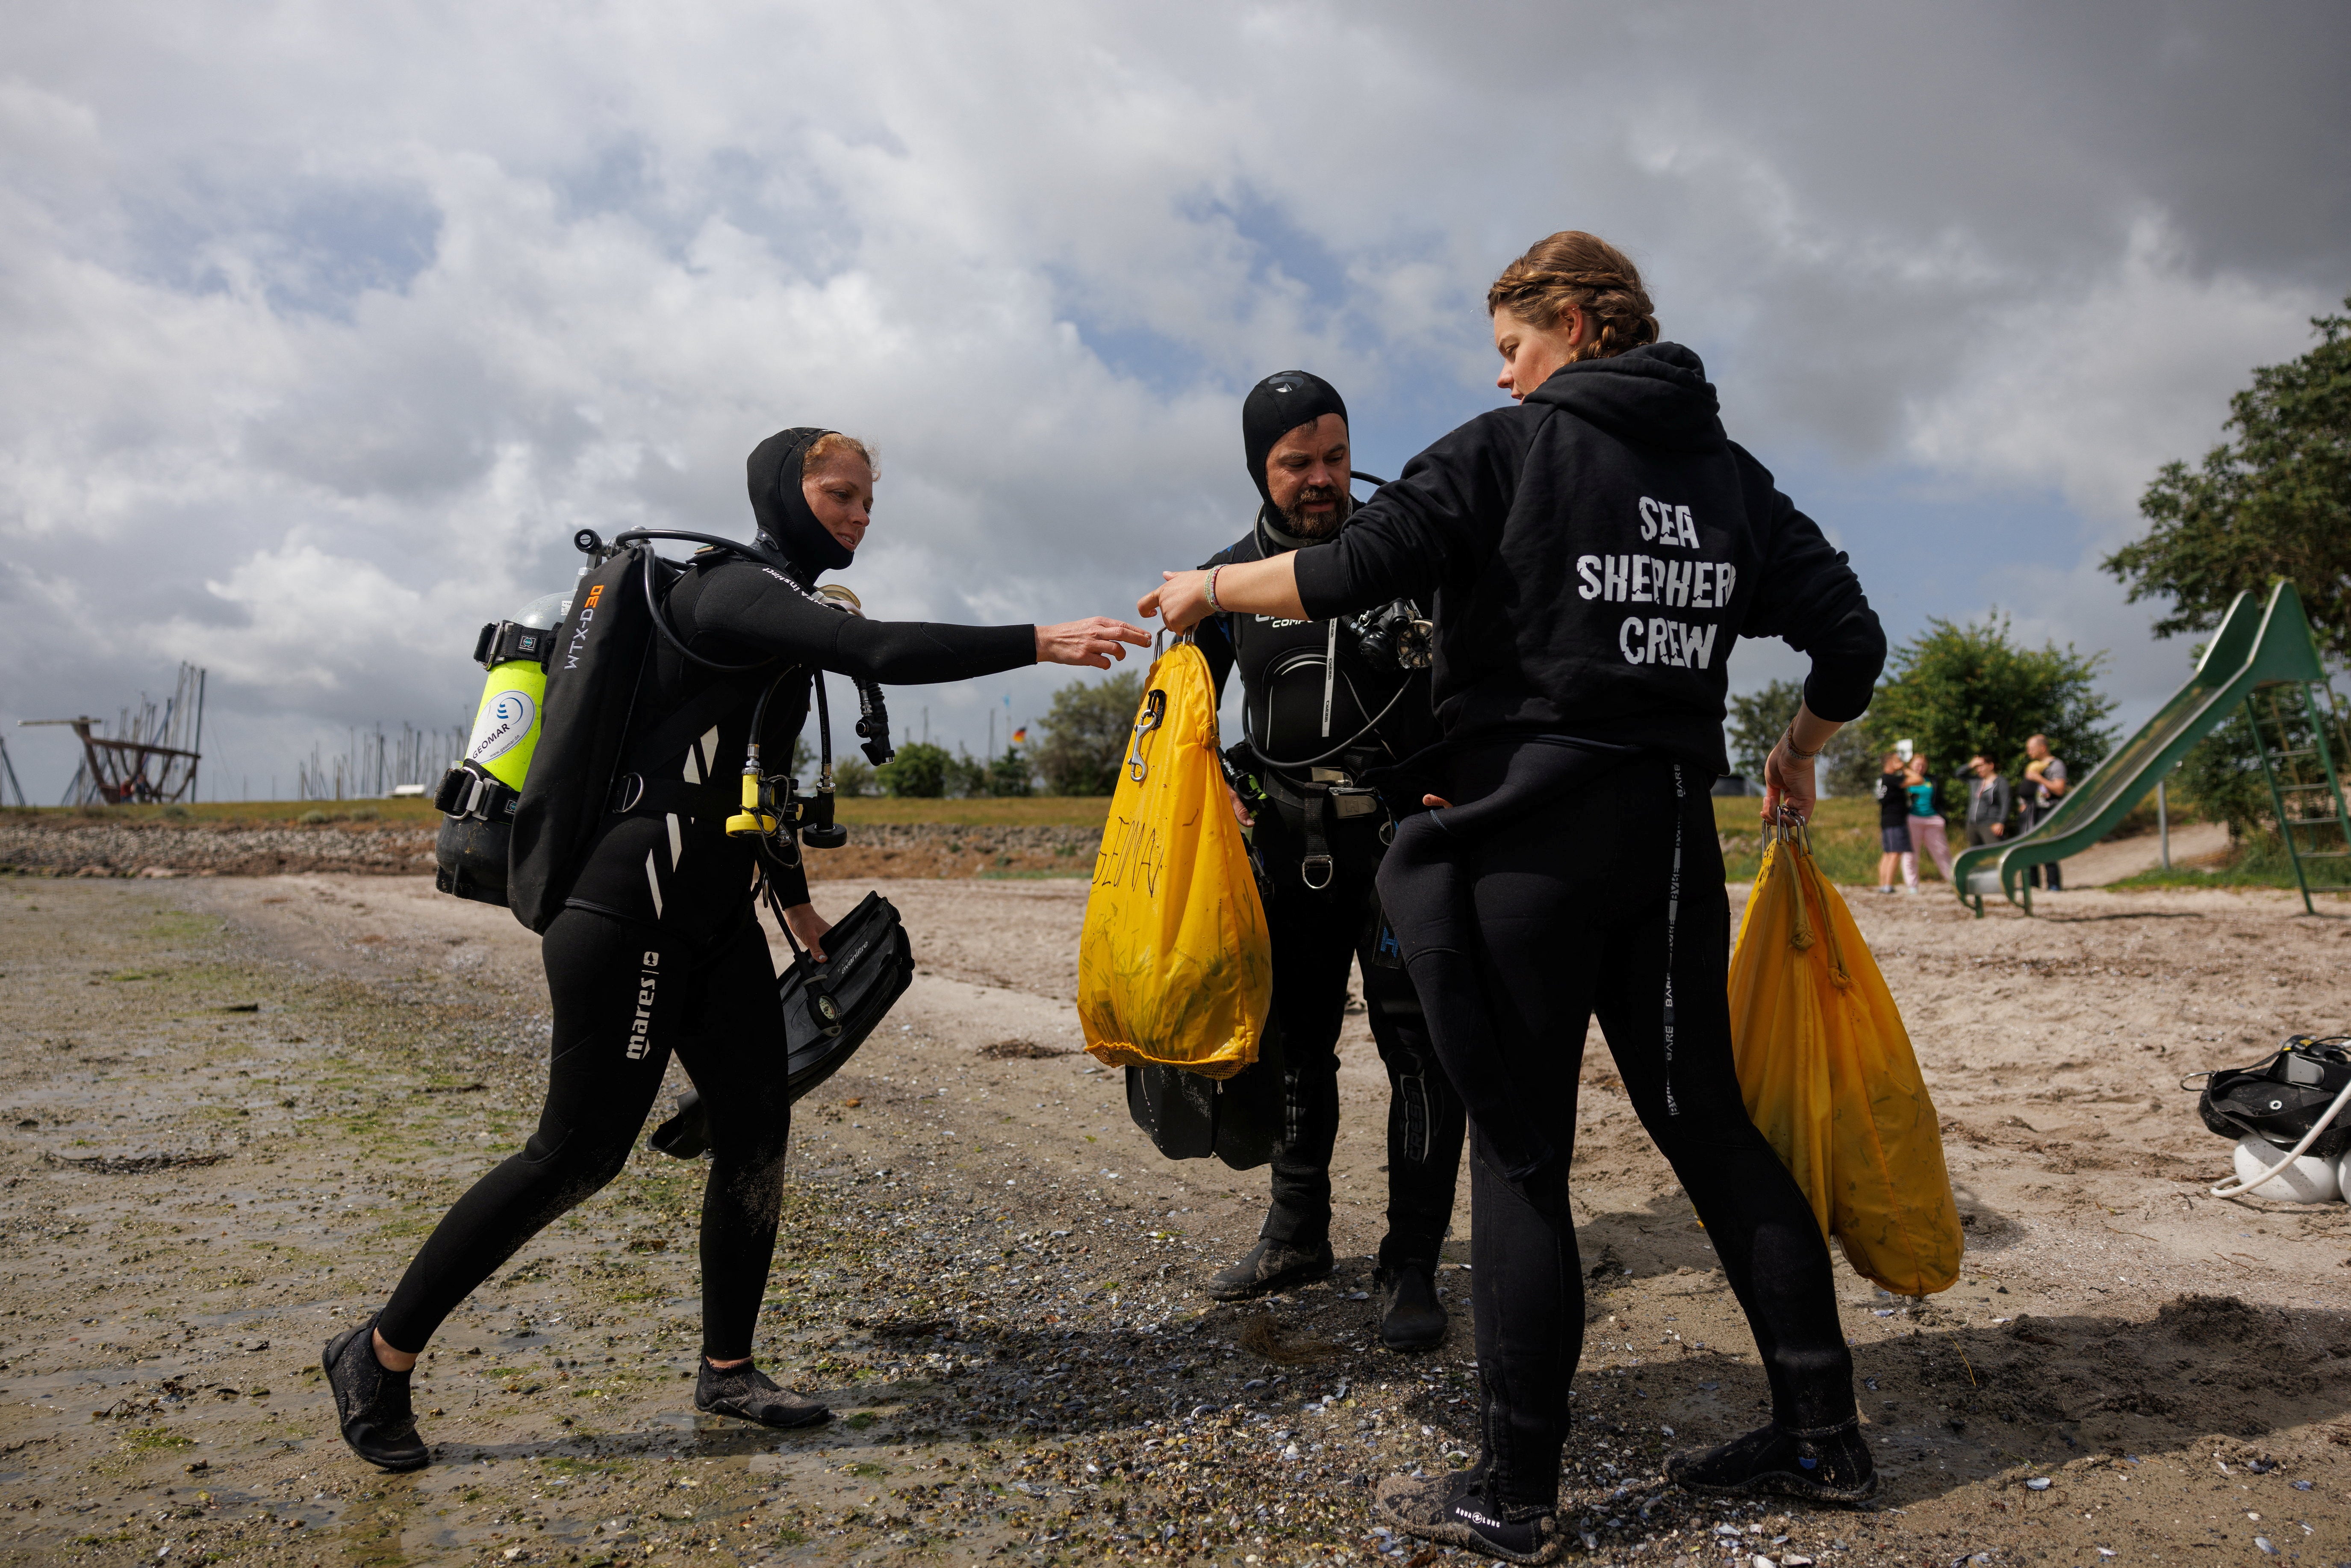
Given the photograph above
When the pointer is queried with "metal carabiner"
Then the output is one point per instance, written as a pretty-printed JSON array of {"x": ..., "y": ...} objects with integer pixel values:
[{"x": 1155, "y": 711}]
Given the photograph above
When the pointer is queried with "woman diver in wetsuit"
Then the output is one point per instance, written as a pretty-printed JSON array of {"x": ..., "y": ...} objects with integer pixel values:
[
  {"x": 657, "y": 947},
  {"x": 1596, "y": 551}
]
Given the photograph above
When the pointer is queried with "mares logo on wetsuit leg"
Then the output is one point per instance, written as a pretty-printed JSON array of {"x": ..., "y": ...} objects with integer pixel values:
[{"x": 641, "y": 1027}]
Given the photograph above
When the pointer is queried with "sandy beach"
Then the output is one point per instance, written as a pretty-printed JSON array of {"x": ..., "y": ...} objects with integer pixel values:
[{"x": 236, "y": 1103}]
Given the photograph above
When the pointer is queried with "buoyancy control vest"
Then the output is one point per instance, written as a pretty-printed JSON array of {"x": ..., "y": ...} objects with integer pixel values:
[
  {"x": 557, "y": 721},
  {"x": 1324, "y": 703}
]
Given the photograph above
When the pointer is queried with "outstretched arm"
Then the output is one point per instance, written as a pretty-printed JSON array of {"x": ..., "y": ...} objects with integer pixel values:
[
  {"x": 747, "y": 609},
  {"x": 1251, "y": 587}
]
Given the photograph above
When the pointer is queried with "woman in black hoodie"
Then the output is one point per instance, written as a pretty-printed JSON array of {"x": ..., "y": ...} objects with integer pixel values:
[
  {"x": 1596, "y": 550},
  {"x": 657, "y": 947}
]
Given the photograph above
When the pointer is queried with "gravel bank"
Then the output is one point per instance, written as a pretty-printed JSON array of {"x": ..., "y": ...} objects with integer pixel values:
[{"x": 152, "y": 849}]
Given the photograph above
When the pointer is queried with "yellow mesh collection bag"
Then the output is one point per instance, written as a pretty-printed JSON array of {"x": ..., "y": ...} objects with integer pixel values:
[
  {"x": 1829, "y": 1076},
  {"x": 1175, "y": 968}
]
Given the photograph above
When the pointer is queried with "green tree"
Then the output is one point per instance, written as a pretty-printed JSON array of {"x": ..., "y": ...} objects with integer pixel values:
[
  {"x": 2274, "y": 501},
  {"x": 1086, "y": 733},
  {"x": 966, "y": 775},
  {"x": 1848, "y": 766},
  {"x": 853, "y": 776},
  {"x": 919, "y": 770},
  {"x": 1010, "y": 774},
  {"x": 1755, "y": 722},
  {"x": 1960, "y": 689}
]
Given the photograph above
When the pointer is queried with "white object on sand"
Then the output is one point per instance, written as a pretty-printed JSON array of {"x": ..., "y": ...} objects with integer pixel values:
[
  {"x": 2299, "y": 1180},
  {"x": 2259, "y": 1173}
]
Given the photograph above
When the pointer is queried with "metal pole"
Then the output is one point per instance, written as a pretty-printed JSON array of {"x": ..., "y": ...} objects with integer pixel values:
[
  {"x": 2162, "y": 824},
  {"x": 197, "y": 745}
]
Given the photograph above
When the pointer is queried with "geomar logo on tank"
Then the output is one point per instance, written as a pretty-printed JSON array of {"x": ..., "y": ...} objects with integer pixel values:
[{"x": 505, "y": 723}]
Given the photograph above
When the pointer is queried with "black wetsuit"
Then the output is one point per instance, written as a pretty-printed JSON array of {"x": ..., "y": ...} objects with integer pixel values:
[
  {"x": 1319, "y": 837},
  {"x": 1593, "y": 553},
  {"x": 658, "y": 949}
]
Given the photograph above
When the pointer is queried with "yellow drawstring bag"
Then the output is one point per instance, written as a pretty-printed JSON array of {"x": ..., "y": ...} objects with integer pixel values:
[
  {"x": 1175, "y": 968},
  {"x": 1828, "y": 1075}
]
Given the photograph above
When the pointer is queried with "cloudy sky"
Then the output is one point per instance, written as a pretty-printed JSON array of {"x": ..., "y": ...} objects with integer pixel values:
[{"x": 321, "y": 326}]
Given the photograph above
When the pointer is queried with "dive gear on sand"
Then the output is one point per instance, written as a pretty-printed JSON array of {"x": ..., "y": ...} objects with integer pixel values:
[
  {"x": 869, "y": 963},
  {"x": 2293, "y": 1104},
  {"x": 2282, "y": 1098}
]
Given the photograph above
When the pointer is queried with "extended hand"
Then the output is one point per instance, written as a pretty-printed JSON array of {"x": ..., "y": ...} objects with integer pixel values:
[
  {"x": 1094, "y": 642},
  {"x": 1181, "y": 602}
]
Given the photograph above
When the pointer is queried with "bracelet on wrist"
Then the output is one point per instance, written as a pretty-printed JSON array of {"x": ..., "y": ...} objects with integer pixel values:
[
  {"x": 1211, "y": 589},
  {"x": 1788, "y": 740}
]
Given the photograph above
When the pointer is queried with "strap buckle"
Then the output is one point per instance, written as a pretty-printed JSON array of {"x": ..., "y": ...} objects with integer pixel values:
[
  {"x": 468, "y": 793},
  {"x": 1306, "y": 867},
  {"x": 628, "y": 791},
  {"x": 1155, "y": 712}
]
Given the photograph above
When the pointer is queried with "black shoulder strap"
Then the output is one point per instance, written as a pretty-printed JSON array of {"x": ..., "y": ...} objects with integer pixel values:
[{"x": 680, "y": 729}]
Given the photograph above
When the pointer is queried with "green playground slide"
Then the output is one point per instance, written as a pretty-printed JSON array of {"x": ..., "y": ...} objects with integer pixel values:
[{"x": 2259, "y": 644}]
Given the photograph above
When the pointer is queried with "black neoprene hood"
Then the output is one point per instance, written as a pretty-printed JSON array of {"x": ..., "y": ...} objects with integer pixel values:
[
  {"x": 773, "y": 471},
  {"x": 1278, "y": 405}
]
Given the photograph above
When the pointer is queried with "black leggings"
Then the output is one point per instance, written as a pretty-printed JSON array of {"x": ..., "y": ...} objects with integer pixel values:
[
  {"x": 1316, "y": 935},
  {"x": 625, "y": 994},
  {"x": 1575, "y": 913}
]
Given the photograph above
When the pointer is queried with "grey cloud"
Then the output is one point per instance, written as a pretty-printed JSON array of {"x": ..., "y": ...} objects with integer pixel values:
[{"x": 376, "y": 311}]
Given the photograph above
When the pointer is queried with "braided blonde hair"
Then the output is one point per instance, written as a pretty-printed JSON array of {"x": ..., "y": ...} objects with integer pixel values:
[{"x": 1585, "y": 271}]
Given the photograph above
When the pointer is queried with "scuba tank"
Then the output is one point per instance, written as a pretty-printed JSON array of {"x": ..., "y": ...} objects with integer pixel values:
[{"x": 478, "y": 796}]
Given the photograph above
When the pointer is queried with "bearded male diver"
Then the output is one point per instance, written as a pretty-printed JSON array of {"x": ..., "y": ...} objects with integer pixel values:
[{"x": 1325, "y": 701}]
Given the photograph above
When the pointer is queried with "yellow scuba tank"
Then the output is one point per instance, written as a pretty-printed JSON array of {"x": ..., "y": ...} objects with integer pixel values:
[{"x": 478, "y": 797}]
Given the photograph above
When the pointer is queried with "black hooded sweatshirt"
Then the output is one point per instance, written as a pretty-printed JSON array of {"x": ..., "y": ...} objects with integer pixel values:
[{"x": 1594, "y": 551}]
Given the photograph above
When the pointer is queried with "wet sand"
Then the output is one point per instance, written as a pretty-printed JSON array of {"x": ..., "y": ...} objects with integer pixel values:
[{"x": 236, "y": 1105}]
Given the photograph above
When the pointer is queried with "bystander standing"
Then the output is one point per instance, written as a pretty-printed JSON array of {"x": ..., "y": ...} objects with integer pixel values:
[
  {"x": 1989, "y": 800},
  {"x": 2044, "y": 785},
  {"x": 1928, "y": 809},
  {"x": 1893, "y": 826}
]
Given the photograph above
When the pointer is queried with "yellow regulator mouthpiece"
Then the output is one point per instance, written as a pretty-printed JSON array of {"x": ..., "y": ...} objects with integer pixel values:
[{"x": 751, "y": 822}]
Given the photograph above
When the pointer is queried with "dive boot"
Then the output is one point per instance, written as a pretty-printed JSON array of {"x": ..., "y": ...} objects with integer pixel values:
[
  {"x": 371, "y": 1403},
  {"x": 1452, "y": 1511},
  {"x": 1827, "y": 1464},
  {"x": 1271, "y": 1266},
  {"x": 748, "y": 1393},
  {"x": 1410, "y": 1318}
]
